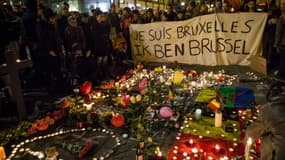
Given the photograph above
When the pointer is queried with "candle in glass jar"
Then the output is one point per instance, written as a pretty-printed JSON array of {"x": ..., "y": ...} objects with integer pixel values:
[
  {"x": 198, "y": 114},
  {"x": 2, "y": 153}
]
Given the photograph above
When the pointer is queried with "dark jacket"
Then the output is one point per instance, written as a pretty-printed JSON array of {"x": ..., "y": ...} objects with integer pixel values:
[
  {"x": 102, "y": 45},
  {"x": 270, "y": 125},
  {"x": 280, "y": 34},
  {"x": 48, "y": 38},
  {"x": 74, "y": 35},
  {"x": 88, "y": 36}
]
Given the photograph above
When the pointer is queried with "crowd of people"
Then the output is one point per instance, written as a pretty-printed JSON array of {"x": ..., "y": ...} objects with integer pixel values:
[{"x": 71, "y": 47}]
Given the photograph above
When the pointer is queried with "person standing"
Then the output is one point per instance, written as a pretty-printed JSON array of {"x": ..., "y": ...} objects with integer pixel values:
[
  {"x": 126, "y": 21},
  {"x": 102, "y": 45},
  {"x": 114, "y": 21},
  {"x": 49, "y": 49},
  {"x": 74, "y": 34},
  {"x": 279, "y": 42},
  {"x": 269, "y": 126},
  {"x": 62, "y": 22}
]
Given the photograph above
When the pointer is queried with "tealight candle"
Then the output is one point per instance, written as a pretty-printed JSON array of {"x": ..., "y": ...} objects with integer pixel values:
[
  {"x": 198, "y": 114},
  {"x": 2, "y": 153}
]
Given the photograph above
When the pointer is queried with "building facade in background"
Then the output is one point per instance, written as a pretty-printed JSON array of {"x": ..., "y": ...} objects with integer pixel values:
[{"x": 104, "y": 5}]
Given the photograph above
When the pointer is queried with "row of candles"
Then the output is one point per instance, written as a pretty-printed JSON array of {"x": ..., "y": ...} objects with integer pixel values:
[
  {"x": 205, "y": 79},
  {"x": 198, "y": 153},
  {"x": 40, "y": 155}
]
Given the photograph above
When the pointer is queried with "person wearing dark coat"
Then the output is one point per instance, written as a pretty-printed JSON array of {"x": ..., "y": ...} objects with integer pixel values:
[
  {"x": 269, "y": 126},
  {"x": 114, "y": 21},
  {"x": 279, "y": 42},
  {"x": 85, "y": 25},
  {"x": 49, "y": 48},
  {"x": 102, "y": 45},
  {"x": 62, "y": 22},
  {"x": 74, "y": 34}
]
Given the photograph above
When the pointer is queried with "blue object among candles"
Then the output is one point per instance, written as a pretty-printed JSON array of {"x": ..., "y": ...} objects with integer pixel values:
[{"x": 244, "y": 97}]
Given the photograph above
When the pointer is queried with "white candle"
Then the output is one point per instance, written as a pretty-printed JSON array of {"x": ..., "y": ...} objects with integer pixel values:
[
  {"x": 218, "y": 119},
  {"x": 198, "y": 114},
  {"x": 247, "y": 148}
]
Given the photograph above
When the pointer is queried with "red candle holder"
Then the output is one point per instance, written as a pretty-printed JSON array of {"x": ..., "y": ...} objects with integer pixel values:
[
  {"x": 159, "y": 156},
  {"x": 190, "y": 143},
  {"x": 217, "y": 148}
]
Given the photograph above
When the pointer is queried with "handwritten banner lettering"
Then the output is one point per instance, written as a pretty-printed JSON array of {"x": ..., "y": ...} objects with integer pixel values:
[{"x": 215, "y": 39}]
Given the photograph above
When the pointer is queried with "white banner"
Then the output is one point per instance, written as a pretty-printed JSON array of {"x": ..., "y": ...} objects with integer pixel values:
[{"x": 215, "y": 39}]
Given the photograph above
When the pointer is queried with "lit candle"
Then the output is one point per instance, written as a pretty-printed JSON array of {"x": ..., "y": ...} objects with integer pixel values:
[
  {"x": 198, "y": 114},
  {"x": 218, "y": 119},
  {"x": 2, "y": 153},
  {"x": 159, "y": 154},
  {"x": 194, "y": 150},
  {"x": 247, "y": 148},
  {"x": 217, "y": 148},
  {"x": 191, "y": 142}
]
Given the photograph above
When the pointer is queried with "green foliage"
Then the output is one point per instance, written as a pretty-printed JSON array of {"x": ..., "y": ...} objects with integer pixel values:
[{"x": 9, "y": 135}]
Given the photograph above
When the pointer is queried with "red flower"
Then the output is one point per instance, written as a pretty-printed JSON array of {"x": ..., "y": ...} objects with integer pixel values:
[
  {"x": 118, "y": 120},
  {"x": 85, "y": 88},
  {"x": 186, "y": 72},
  {"x": 194, "y": 73},
  {"x": 64, "y": 104},
  {"x": 148, "y": 71}
]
